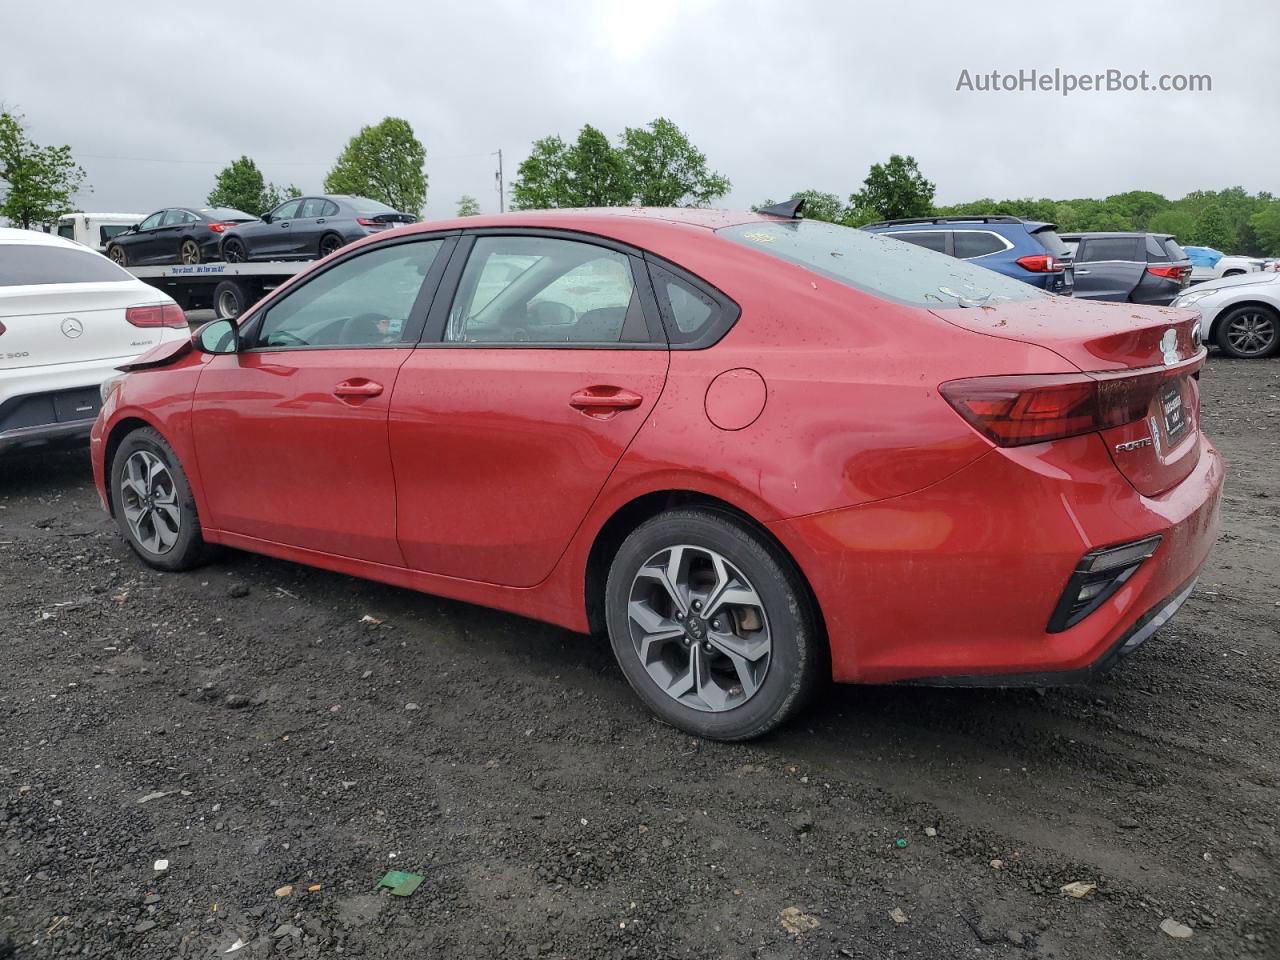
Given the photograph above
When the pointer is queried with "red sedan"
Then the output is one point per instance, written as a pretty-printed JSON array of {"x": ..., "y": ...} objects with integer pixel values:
[{"x": 756, "y": 451}]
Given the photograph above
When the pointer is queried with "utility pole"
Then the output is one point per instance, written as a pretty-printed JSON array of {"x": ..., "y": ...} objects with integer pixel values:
[{"x": 502, "y": 202}]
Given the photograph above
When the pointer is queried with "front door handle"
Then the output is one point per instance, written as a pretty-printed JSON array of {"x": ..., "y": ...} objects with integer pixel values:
[
  {"x": 602, "y": 402},
  {"x": 357, "y": 387},
  {"x": 319, "y": 219}
]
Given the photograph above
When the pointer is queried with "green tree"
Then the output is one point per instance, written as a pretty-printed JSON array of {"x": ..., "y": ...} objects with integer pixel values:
[
  {"x": 654, "y": 166},
  {"x": 240, "y": 185},
  {"x": 817, "y": 206},
  {"x": 383, "y": 162},
  {"x": 1266, "y": 227},
  {"x": 468, "y": 206},
  {"x": 38, "y": 182},
  {"x": 1213, "y": 229},
  {"x": 1181, "y": 223},
  {"x": 895, "y": 189},
  {"x": 665, "y": 169}
]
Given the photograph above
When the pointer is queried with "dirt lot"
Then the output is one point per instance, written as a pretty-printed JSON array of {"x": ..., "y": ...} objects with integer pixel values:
[{"x": 508, "y": 763}]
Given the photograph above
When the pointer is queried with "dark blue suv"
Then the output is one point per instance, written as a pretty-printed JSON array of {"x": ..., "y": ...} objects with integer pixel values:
[{"x": 1022, "y": 249}]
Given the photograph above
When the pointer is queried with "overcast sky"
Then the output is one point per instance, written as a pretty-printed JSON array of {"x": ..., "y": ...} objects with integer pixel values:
[{"x": 154, "y": 98}]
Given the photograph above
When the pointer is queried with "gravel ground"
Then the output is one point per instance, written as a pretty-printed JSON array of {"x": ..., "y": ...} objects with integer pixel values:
[{"x": 246, "y": 724}]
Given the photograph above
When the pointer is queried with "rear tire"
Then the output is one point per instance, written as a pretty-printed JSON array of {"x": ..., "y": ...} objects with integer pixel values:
[
  {"x": 153, "y": 503},
  {"x": 731, "y": 668},
  {"x": 1249, "y": 332},
  {"x": 118, "y": 255},
  {"x": 330, "y": 243},
  {"x": 189, "y": 252}
]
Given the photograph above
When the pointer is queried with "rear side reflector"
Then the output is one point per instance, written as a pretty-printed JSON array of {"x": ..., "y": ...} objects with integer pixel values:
[
  {"x": 1040, "y": 263},
  {"x": 1015, "y": 411},
  {"x": 159, "y": 315},
  {"x": 1097, "y": 576}
]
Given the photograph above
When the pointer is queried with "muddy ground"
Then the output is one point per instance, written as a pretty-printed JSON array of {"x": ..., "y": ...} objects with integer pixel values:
[{"x": 508, "y": 763}]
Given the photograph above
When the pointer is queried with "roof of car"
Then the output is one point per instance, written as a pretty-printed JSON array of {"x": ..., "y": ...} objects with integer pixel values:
[
  {"x": 570, "y": 217},
  {"x": 1115, "y": 234},
  {"x": 18, "y": 235},
  {"x": 958, "y": 218}
]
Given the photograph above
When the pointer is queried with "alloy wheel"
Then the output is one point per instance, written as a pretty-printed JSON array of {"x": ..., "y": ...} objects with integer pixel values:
[
  {"x": 117, "y": 255},
  {"x": 190, "y": 252},
  {"x": 1252, "y": 333},
  {"x": 149, "y": 498},
  {"x": 699, "y": 628},
  {"x": 233, "y": 252},
  {"x": 329, "y": 245}
]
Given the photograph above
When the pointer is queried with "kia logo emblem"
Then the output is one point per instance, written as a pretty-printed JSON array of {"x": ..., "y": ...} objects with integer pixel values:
[{"x": 71, "y": 327}]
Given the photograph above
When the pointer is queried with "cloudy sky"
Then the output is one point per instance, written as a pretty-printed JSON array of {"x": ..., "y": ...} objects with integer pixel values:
[{"x": 154, "y": 98}]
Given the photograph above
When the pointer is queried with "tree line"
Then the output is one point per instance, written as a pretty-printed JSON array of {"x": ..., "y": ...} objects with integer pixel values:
[{"x": 651, "y": 165}]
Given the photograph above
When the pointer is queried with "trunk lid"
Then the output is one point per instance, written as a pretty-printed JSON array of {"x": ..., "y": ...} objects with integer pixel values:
[
  {"x": 1153, "y": 353},
  {"x": 73, "y": 322}
]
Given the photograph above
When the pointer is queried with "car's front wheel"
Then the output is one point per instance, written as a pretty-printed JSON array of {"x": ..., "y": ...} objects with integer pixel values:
[
  {"x": 153, "y": 503},
  {"x": 233, "y": 250},
  {"x": 118, "y": 255},
  {"x": 1249, "y": 332},
  {"x": 712, "y": 626}
]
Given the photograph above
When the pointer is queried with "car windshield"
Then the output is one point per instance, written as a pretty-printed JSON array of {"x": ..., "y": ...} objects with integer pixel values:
[
  {"x": 880, "y": 265},
  {"x": 365, "y": 205},
  {"x": 225, "y": 213}
]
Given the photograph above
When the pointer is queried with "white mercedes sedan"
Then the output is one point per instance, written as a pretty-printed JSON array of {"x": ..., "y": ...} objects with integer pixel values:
[{"x": 68, "y": 318}]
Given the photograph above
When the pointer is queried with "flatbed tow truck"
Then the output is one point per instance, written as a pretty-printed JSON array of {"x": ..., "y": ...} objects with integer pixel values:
[{"x": 229, "y": 288}]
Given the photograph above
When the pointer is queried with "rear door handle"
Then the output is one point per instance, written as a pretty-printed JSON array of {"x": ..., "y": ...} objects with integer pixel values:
[
  {"x": 604, "y": 401},
  {"x": 357, "y": 387}
]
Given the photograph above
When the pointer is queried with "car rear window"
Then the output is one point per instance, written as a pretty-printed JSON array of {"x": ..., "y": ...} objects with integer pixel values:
[
  {"x": 1052, "y": 243},
  {"x": 365, "y": 205},
  {"x": 35, "y": 263},
  {"x": 1175, "y": 251},
  {"x": 879, "y": 265},
  {"x": 1156, "y": 252}
]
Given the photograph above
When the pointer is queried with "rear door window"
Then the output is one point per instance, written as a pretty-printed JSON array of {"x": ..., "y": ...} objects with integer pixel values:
[
  {"x": 36, "y": 263},
  {"x": 1097, "y": 249},
  {"x": 929, "y": 239},
  {"x": 968, "y": 244},
  {"x": 175, "y": 218},
  {"x": 313, "y": 207}
]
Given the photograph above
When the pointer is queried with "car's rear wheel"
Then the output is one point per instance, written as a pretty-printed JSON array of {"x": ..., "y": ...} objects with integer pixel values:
[
  {"x": 712, "y": 626},
  {"x": 233, "y": 250},
  {"x": 329, "y": 243},
  {"x": 118, "y": 255},
  {"x": 153, "y": 503},
  {"x": 189, "y": 251},
  {"x": 1249, "y": 332}
]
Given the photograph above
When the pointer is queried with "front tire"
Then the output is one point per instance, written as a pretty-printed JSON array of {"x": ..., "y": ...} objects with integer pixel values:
[
  {"x": 712, "y": 626},
  {"x": 1249, "y": 332},
  {"x": 153, "y": 503},
  {"x": 189, "y": 252},
  {"x": 233, "y": 250},
  {"x": 118, "y": 255}
]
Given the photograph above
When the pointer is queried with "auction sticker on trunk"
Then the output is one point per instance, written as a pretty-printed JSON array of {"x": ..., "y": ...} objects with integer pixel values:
[{"x": 1175, "y": 414}]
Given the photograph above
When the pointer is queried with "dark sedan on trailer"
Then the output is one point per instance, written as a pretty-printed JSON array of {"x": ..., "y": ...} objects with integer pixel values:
[
  {"x": 176, "y": 235},
  {"x": 304, "y": 228}
]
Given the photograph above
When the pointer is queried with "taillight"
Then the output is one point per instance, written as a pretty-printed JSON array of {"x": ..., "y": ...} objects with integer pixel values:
[
  {"x": 364, "y": 222},
  {"x": 159, "y": 315},
  {"x": 1015, "y": 411},
  {"x": 1171, "y": 273},
  {"x": 1, "y": 329},
  {"x": 219, "y": 227},
  {"x": 1040, "y": 263}
]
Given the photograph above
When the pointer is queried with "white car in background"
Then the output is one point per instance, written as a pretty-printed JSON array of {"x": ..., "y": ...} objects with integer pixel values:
[
  {"x": 1241, "y": 314},
  {"x": 1210, "y": 264},
  {"x": 95, "y": 229},
  {"x": 68, "y": 318}
]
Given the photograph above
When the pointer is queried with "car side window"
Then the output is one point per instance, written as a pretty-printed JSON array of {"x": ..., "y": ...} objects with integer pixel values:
[
  {"x": 968, "y": 244},
  {"x": 152, "y": 221},
  {"x": 690, "y": 315},
  {"x": 546, "y": 290},
  {"x": 363, "y": 301},
  {"x": 330, "y": 209},
  {"x": 174, "y": 218},
  {"x": 929, "y": 239},
  {"x": 286, "y": 211},
  {"x": 1097, "y": 249},
  {"x": 313, "y": 207},
  {"x": 1156, "y": 253}
]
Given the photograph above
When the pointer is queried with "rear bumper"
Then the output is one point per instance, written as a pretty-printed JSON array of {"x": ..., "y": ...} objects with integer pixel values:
[
  {"x": 21, "y": 436},
  {"x": 957, "y": 582}
]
